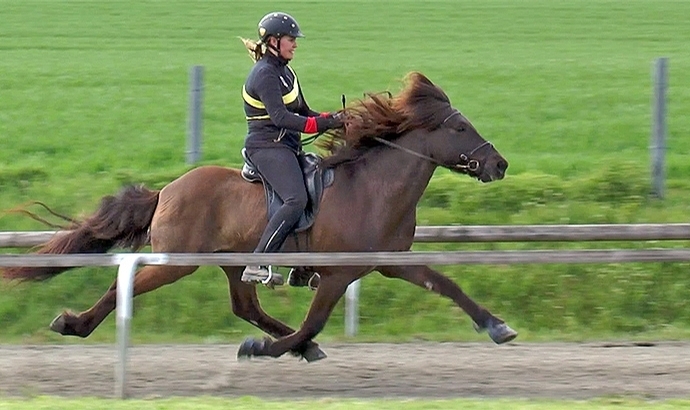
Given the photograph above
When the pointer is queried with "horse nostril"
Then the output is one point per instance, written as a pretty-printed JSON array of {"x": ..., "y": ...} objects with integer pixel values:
[{"x": 502, "y": 165}]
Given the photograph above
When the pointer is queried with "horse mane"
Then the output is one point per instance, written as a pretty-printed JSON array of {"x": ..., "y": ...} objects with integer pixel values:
[{"x": 419, "y": 105}]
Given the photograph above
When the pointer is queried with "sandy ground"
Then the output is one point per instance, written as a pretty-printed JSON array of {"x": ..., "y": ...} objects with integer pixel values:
[{"x": 425, "y": 370}]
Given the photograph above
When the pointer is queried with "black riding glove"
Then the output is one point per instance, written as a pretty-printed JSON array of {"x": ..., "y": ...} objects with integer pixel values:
[{"x": 329, "y": 122}]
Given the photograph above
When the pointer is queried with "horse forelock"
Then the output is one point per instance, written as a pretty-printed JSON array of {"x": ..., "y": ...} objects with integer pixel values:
[
  {"x": 424, "y": 104},
  {"x": 419, "y": 105}
]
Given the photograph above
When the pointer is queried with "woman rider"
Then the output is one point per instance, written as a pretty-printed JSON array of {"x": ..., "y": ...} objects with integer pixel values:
[{"x": 277, "y": 114}]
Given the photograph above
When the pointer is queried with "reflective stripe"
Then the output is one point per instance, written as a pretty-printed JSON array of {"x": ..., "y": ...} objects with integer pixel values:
[
  {"x": 292, "y": 95},
  {"x": 258, "y": 117},
  {"x": 251, "y": 100},
  {"x": 287, "y": 98}
]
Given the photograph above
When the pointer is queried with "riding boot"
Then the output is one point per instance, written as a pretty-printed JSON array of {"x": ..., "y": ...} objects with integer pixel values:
[
  {"x": 261, "y": 274},
  {"x": 271, "y": 241}
]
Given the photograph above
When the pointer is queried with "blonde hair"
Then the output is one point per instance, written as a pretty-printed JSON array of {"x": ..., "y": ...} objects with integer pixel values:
[{"x": 256, "y": 49}]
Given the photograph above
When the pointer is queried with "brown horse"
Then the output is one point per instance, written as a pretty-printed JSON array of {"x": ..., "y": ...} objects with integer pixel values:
[{"x": 383, "y": 160}]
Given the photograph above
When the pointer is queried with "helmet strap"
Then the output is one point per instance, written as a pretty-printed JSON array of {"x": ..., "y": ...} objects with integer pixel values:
[{"x": 272, "y": 47}]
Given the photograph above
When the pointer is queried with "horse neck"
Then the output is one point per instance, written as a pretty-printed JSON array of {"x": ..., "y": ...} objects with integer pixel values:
[{"x": 398, "y": 175}]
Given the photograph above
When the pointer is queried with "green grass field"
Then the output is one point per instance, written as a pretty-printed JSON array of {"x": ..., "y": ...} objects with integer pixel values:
[
  {"x": 93, "y": 95},
  {"x": 96, "y": 90}
]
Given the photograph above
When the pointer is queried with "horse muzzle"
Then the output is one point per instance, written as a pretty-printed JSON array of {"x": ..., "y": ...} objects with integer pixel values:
[{"x": 493, "y": 172}]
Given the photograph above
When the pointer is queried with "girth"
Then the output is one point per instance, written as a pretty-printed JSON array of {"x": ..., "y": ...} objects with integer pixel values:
[{"x": 316, "y": 180}]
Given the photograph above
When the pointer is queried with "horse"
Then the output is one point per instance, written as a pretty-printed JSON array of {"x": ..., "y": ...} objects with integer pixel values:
[{"x": 382, "y": 160}]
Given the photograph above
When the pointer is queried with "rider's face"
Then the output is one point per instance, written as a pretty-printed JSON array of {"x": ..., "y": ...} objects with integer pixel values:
[{"x": 288, "y": 44}]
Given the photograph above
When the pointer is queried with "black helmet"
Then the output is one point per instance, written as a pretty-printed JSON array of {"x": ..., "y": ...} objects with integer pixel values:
[{"x": 278, "y": 24}]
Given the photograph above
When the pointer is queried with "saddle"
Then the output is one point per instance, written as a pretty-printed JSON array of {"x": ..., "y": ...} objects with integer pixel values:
[{"x": 316, "y": 179}]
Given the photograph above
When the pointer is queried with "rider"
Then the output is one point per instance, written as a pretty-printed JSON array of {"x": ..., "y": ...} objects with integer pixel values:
[{"x": 277, "y": 114}]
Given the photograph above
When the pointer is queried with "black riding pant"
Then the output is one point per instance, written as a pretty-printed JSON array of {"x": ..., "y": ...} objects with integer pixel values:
[{"x": 280, "y": 167}]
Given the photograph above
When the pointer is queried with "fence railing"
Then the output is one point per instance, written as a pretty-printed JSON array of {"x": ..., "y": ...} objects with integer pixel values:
[
  {"x": 128, "y": 262},
  {"x": 368, "y": 258},
  {"x": 478, "y": 233}
]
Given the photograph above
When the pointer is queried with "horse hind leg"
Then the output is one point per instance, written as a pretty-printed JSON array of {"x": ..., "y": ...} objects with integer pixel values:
[
  {"x": 245, "y": 305},
  {"x": 146, "y": 279}
]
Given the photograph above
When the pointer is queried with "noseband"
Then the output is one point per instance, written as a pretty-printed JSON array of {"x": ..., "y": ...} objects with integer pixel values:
[{"x": 466, "y": 164}]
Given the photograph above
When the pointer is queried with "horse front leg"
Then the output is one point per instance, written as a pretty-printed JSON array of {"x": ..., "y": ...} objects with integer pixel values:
[
  {"x": 330, "y": 290},
  {"x": 245, "y": 305},
  {"x": 434, "y": 281}
]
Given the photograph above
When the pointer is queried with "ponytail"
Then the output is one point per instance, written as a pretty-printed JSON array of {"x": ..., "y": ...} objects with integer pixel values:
[{"x": 256, "y": 49}]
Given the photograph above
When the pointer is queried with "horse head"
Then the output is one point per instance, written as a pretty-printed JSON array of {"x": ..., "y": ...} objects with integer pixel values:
[
  {"x": 457, "y": 145},
  {"x": 452, "y": 141},
  {"x": 423, "y": 110}
]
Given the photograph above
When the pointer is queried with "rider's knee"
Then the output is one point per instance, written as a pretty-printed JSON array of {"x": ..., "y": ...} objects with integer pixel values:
[{"x": 297, "y": 202}]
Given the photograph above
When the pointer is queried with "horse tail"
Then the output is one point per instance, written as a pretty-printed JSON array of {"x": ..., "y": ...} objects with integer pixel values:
[{"x": 122, "y": 220}]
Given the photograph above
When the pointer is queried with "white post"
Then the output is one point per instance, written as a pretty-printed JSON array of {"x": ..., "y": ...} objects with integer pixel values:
[
  {"x": 352, "y": 309},
  {"x": 195, "y": 124},
  {"x": 123, "y": 316}
]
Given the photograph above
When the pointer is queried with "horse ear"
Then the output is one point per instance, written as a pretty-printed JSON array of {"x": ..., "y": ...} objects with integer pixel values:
[{"x": 419, "y": 78}]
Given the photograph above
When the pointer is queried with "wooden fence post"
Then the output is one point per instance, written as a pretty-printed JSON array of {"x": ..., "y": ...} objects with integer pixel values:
[{"x": 658, "y": 143}]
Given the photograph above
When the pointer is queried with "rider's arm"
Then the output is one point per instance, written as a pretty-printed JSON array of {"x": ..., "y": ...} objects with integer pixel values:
[
  {"x": 305, "y": 109},
  {"x": 271, "y": 96}
]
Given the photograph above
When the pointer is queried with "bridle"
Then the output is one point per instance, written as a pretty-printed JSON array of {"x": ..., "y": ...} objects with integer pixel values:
[{"x": 466, "y": 165}]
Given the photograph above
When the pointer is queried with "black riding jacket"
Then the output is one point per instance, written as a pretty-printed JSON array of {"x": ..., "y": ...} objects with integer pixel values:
[{"x": 275, "y": 108}]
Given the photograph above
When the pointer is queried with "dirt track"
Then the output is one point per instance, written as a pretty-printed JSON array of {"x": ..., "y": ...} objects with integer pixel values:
[{"x": 429, "y": 370}]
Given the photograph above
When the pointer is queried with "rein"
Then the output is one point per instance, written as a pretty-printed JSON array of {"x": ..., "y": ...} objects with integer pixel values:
[{"x": 310, "y": 139}]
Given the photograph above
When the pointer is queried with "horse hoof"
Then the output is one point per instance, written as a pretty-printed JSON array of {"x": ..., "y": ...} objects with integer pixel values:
[
  {"x": 313, "y": 354},
  {"x": 250, "y": 348},
  {"x": 498, "y": 332},
  {"x": 58, "y": 324},
  {"x": 501, "y": 333}
]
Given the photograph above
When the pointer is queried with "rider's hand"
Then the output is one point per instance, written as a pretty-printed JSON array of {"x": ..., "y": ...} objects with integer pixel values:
[{"x": 329, "y": 121}]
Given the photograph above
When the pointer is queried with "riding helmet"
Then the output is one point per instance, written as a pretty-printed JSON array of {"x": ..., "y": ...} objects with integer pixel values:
[{"x": 278, "y": 24}]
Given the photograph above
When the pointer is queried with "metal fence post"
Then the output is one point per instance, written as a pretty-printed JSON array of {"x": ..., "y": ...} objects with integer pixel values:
[
  {"x": 352, "y": 309},
  {"x": 195, "y": 121},
  {"x": 125, "y": 292}
]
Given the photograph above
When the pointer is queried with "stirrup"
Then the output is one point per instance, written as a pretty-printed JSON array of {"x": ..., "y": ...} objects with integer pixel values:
[
  {"x": 269, "y": 278},
  {"x": 297, "y": 279},
  {"x": 314, "y": 281}
]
